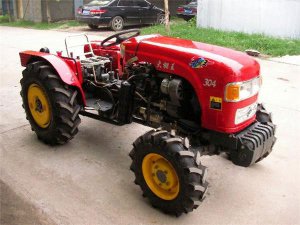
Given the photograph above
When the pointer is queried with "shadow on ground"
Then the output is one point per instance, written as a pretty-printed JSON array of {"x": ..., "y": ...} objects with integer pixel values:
[{"x": 16, "y": 210}]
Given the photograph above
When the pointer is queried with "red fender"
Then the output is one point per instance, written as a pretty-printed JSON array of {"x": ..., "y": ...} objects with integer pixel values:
[{"x": 66, "y": 74}]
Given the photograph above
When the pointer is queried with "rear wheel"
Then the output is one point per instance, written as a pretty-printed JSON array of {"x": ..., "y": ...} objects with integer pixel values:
[
  {"x": 92, "y": 26},
  {"x": 168, "y": 172},
  {"x": 117, "y": 23},
  {"x": 161, "y": 19},
  {"x": 50, "y": 105}
]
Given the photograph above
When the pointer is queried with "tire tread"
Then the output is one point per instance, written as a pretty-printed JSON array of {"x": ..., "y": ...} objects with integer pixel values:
[
  {"x": 174, "y": 148},
  {"x": 65, "y": 107}
]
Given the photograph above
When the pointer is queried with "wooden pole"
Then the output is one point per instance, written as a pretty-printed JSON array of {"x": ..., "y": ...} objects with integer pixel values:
[
  {"x": 167, "y": 16},
  {"x": 20, "y": 9}
]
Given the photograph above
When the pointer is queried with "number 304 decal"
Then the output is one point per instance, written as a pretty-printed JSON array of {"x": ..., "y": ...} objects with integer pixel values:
[{"x": 209, "y": 83}]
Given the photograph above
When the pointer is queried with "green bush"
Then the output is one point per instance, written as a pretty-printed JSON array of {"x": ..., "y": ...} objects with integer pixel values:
[{"x": 193, "y": 22}]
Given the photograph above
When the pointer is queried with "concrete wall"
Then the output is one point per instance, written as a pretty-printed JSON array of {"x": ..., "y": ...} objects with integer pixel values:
[
  {"x": 32, "y": 10},
  {"x": 59, "y": 10},
  {"x": 62, "y": 10},
  {"x": 77, "y": 4},
  {"x": 35, "y": 10},
  {"x": 280, "y": 18}
]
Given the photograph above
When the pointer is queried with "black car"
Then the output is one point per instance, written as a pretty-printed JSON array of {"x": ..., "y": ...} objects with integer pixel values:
[
  {"x": 118, "y": 13},
  {"x": 188, "y": 11}
]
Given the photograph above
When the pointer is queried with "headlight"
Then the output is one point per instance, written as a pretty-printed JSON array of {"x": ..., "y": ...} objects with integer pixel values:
[
  {"x": 245, "y": 113},
  {"x": 235, "y": 92}
]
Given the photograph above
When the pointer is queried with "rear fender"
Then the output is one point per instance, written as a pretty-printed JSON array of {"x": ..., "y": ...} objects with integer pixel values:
[{"x": 64, "y": 71}]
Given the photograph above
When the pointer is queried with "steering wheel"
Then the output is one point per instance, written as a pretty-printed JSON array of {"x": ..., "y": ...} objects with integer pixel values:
[{"x": 120, "y": 37}]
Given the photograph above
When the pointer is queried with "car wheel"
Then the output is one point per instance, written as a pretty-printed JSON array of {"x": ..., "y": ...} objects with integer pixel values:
[
  {"x": 92, "y": 26},
  {"x": 117, "y": 23},
  {"x": 187, "y": 18},
  {"x": 161, "y": 19}
]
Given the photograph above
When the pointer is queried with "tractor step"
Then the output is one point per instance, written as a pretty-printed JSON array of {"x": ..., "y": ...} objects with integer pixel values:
[{"x": 101, "y": 106}]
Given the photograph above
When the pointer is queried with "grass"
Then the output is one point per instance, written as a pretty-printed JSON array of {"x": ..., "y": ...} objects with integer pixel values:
[
  {"x": 4, "y": 19},
  {"x": 236, "y": 40},
  {"x": 40, "y": 26},
  {"x": 188, "y": 30}
]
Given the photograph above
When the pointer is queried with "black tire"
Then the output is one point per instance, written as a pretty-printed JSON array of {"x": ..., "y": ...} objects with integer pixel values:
[
  {"x": 187, "y": 18},
  {"x": 117, "y": 23},
  {"x": 93, "y": 27},
  {"x": 62, "y": 99},
  {"x": 262, "y": 115},
  {"x": 191, "y": 174}
]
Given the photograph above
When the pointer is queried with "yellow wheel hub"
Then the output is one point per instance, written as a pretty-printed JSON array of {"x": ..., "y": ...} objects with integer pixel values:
[
  {"x": 39, "y": 105},
  {"x": 160, "y": 176}
]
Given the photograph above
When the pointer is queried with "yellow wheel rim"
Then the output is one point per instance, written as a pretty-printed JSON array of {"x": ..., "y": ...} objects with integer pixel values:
[
  {"x": 160, "y": 176},
  {"x": 39, "y": 105}
]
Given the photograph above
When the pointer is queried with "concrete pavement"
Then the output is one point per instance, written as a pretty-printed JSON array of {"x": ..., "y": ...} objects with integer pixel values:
[{"x": 88, "y": 181}]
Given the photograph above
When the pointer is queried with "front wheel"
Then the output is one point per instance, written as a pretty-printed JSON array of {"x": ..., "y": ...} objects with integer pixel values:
[
  {"x": 168, "y": 172},
  {"x": 264, "y": 117},
  {"x": 117, "y": 23},
  {"x": 50, "y": 105}
]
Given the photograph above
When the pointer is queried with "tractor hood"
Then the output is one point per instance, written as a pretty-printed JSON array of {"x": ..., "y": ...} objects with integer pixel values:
[
  {"x": 204, "y": 58},
  {"x": 208, "y": 68}
]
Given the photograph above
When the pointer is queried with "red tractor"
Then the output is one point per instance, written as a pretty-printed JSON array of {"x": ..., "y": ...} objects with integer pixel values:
[{"x": 199, "y": 98}]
